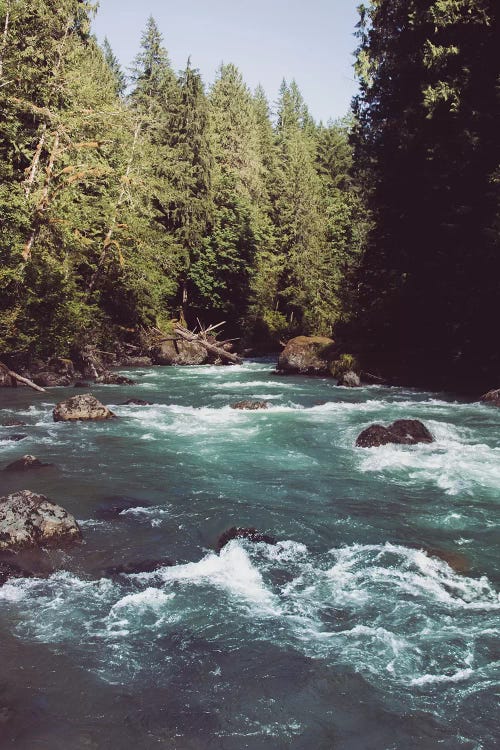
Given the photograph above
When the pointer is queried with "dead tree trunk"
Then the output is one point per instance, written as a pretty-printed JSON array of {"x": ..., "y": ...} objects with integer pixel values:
[
  {"x": 121, "y": 198},
  {"x": 19, "y": 378},
  {"x": 4, "y": 37},
  {"x": 44, "y": 200}
]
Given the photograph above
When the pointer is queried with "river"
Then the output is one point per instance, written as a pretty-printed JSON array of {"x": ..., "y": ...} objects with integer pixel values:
[{"x": 346, "y": 634}]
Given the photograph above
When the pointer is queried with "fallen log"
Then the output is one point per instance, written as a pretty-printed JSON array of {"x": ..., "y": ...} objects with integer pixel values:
[
  {"x": 198, "y": 338},
  {"x": 20, "y": 379}
]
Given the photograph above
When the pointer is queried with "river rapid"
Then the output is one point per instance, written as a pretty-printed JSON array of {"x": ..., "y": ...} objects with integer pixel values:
[{"x": 346, "y": 634}]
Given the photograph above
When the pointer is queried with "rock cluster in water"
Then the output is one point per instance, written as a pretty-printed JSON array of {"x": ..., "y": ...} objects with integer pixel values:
[
  {"x": 400, "y": 432},
  {"x": 250, "y": 405},
  {"x": 349, "y": 379},
  {"x": 31, "y": 520},
  {"x": 81, "y": 408},
  {"x": 492, "y": 397},
  {"x": 307, "y": 355}
]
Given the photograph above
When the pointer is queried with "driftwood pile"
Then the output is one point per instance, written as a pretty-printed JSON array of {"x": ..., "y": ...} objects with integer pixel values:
[{"x": 206, "y": 340}]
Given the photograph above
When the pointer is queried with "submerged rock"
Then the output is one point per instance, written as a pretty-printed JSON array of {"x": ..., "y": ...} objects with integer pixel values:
[
  {"x": 142, "y": 566},
  {"x": 14, "y": 437},
  {"x": 307, "y": 355},
  {"x": 30, "y": 520},
  {"x": 492, "y": 397},
  {"x": 14, "y": 423},
  {"x": 349, "y": 380},
  {"x": 25, "y": 463},
  {"x": 400, "y": 432},
  {"x": 85, "y": 407},
  {"x": 250, "y": 405},
  {"x": 137, "y": 402},
  {"x": 456, "y": 560},
  {"x": 118, "y": 505},
  {"x": 238, "y": 532},
  {"x": 81, "y": 384}
]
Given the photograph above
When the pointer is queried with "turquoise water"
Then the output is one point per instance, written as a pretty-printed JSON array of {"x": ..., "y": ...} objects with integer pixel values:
[{"x": 344, "y": 635}]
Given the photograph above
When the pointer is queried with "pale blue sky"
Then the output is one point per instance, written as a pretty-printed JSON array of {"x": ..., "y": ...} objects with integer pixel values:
[{"x": 311, "y": 41}]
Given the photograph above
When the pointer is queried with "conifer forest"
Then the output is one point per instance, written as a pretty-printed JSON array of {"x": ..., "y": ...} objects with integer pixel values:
[{"x": 131, "y": 198}]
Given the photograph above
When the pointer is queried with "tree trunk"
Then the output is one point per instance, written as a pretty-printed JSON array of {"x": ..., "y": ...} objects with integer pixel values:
[
  {"x": 20, "y": 379},
  {"x": 34, "y": 164},
  {"x": 4, "y": 37}
]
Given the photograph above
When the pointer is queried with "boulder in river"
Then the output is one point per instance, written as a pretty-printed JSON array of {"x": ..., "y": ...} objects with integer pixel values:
[
  {"x": 142, "y": 566},
  {"x": 113, "y": 378},
  {"x": 11, "y": 570},
  {"x": 81, "y": 384},
  {"x": 25, "y": 463},
  {"x": 48, "y": 379},
  {"x": 62, "y": 366},
  {"x": 250, "y": 405},
  {"x": 238, "y": 532},
  {"x": 400, "y": 432},
  {"x": 349, "y": 379},
  {"x": 456, "y": 560},
  {"x": 119, "y": 504},
  {"x": 31, "y": 520},
  {"x": 492, "y": 397},
  {"x": 179, "y": 353},
  {"x": 84, "y": 408},
  {"x": 137, "y": 402},
  {"x": 307, "y": 355}
]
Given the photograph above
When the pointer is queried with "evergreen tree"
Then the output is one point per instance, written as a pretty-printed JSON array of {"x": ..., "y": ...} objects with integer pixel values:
[
  {"x": 184, "y": 199},
  {"x": 115, "y": 67},
  {"x": 427, "y": 150},
  {"x": 222, "y": 273}
]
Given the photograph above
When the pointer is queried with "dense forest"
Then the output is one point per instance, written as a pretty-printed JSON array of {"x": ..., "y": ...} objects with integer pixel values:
[{"x": 131, "y": 198}]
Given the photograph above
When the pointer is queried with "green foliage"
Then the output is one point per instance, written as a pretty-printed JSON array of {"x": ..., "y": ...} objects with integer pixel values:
[
  {"x": 345, "y": 363},
  {"x": 121, "y": 211}
]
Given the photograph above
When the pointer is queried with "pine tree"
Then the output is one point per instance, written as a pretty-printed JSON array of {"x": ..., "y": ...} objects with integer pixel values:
[
  {"x": 427, "y": 150},
  {"x": 115, "y": 67},
  {"x": 183, "y": 199}
]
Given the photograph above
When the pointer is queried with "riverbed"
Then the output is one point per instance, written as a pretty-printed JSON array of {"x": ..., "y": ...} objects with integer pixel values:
[{"x": 352, "y": 632}]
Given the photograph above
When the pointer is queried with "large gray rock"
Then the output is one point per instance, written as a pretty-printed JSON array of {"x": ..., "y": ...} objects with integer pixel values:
[
  {"x": 492, "y": 397},
  {"x": 81, "y": 408},
  {"x": 400, "y": 432},
  {"x": 30, "y": 520},
  {"x": 179, "y": 353},
  {"x": 349, "y": 379},
  {"x": 307, "y": 355}
]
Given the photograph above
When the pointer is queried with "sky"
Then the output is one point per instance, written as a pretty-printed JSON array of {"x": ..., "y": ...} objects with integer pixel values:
[{"x": 310, "y": 41}]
